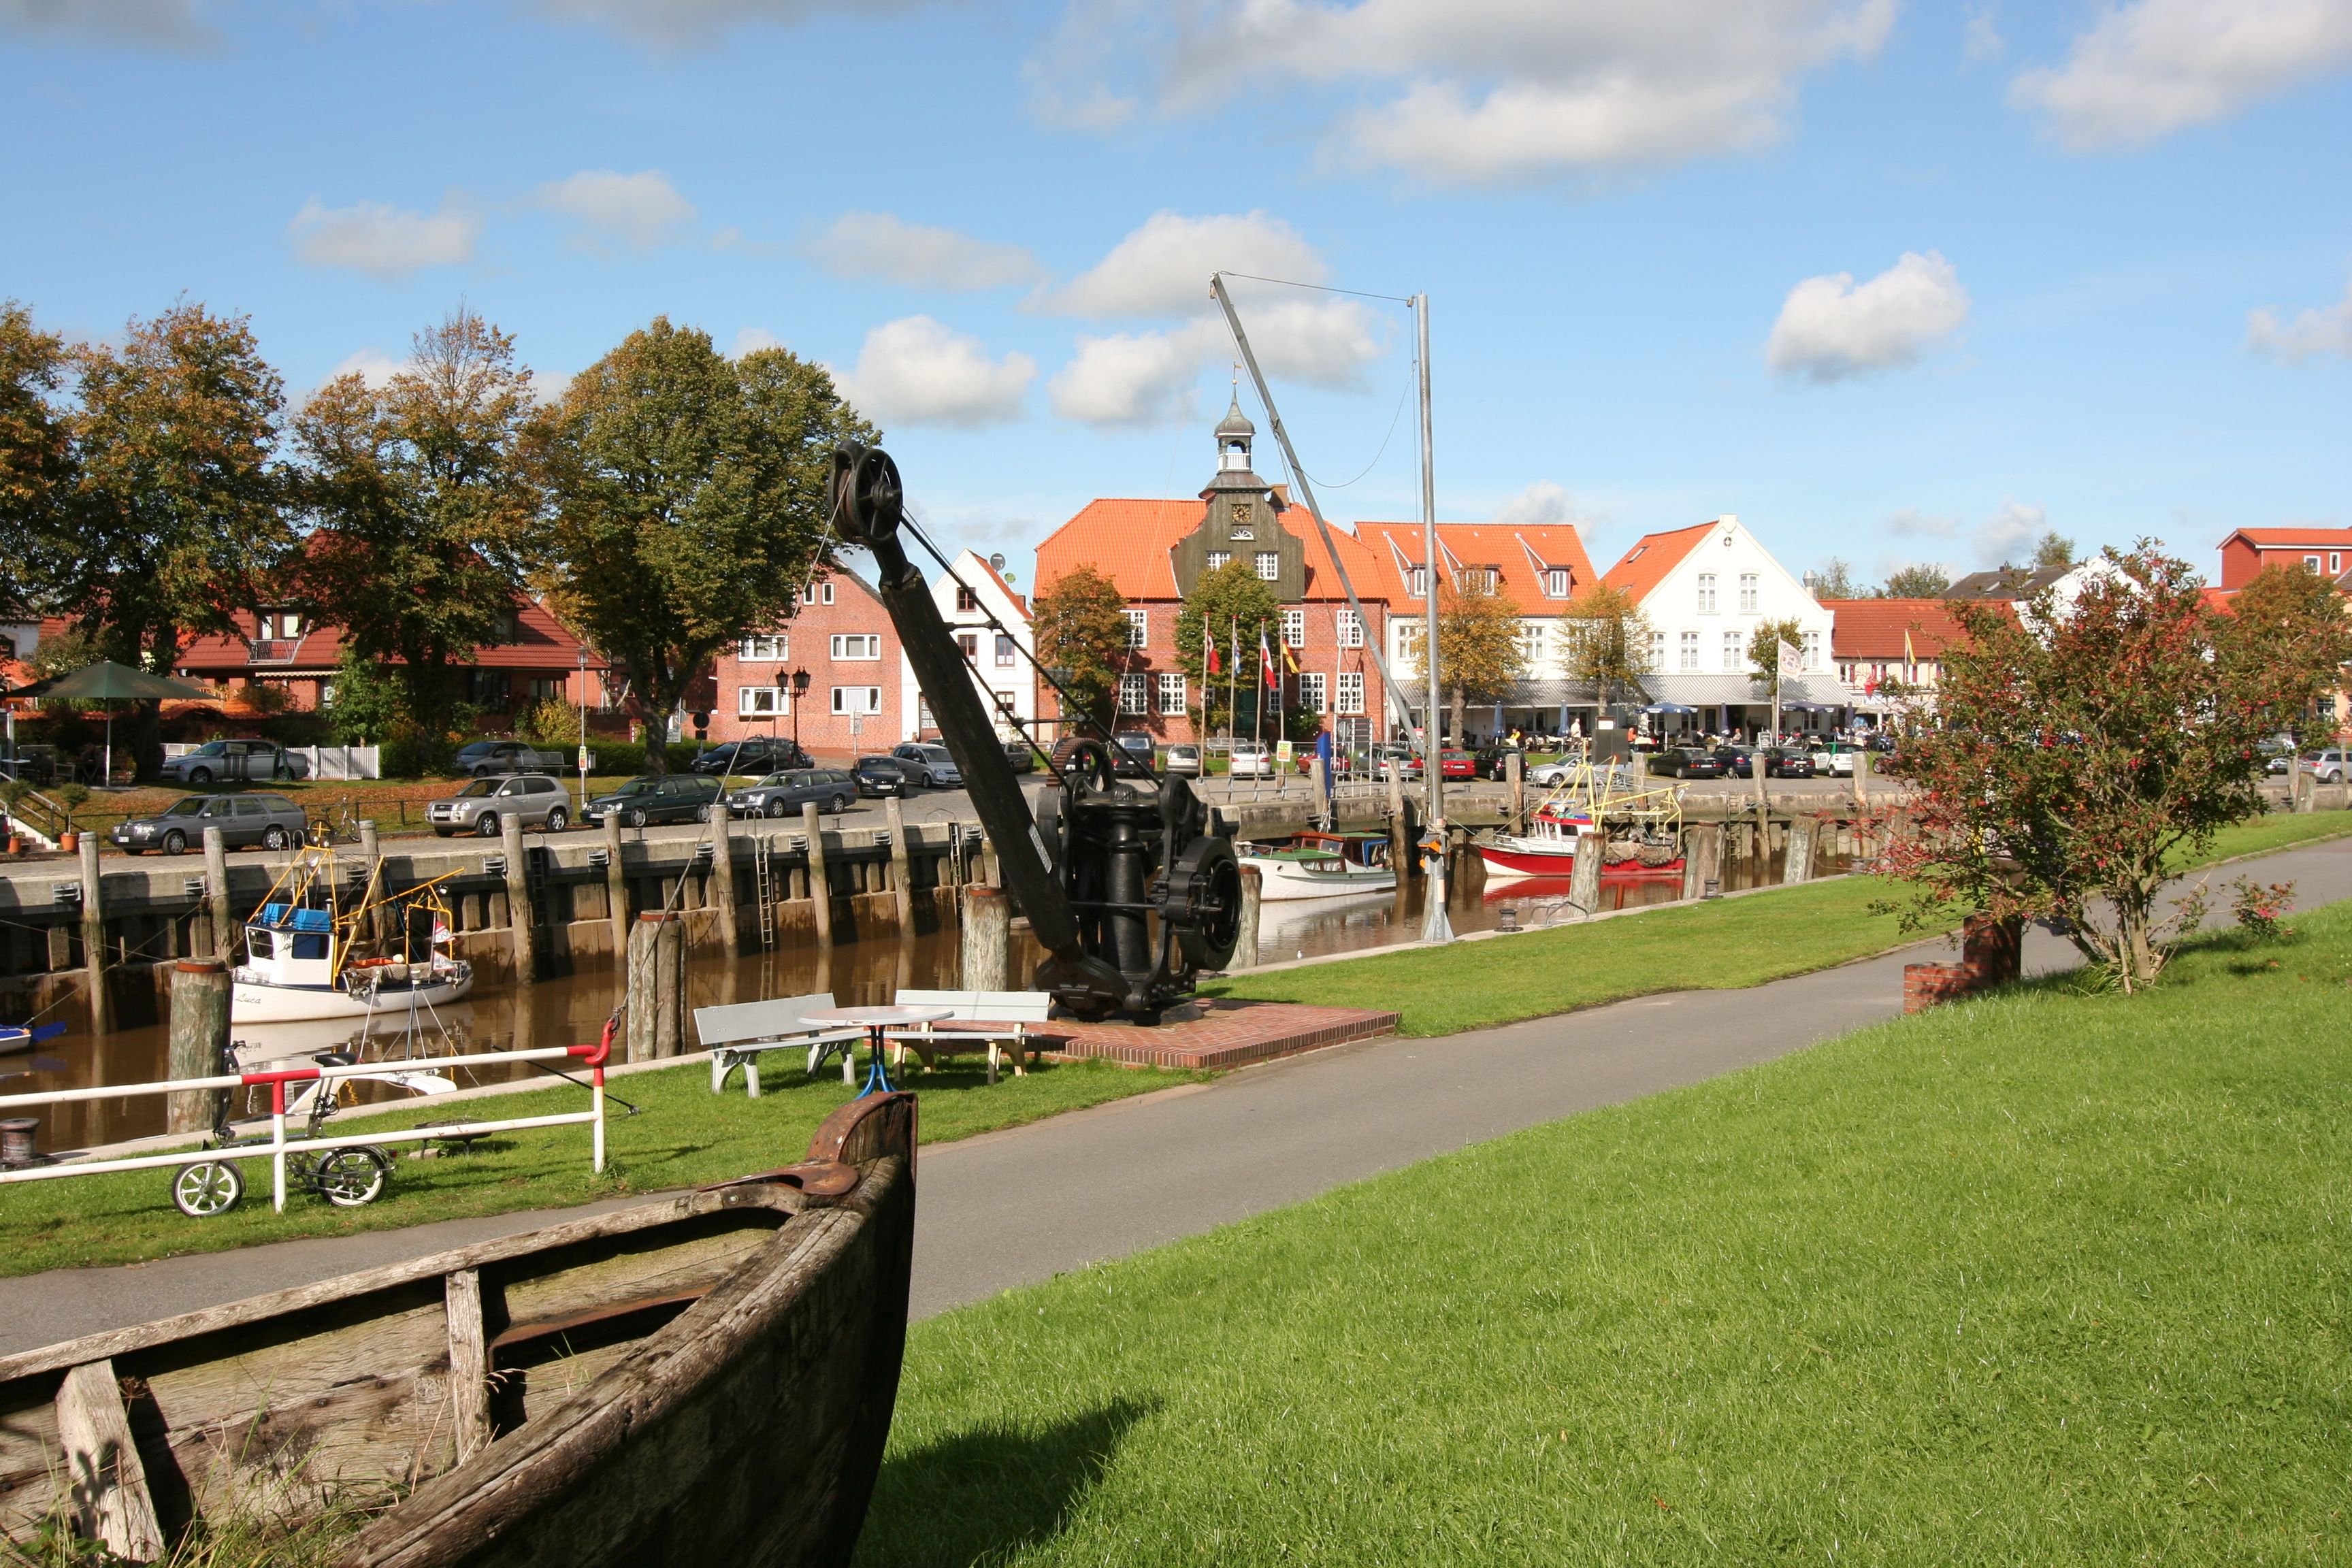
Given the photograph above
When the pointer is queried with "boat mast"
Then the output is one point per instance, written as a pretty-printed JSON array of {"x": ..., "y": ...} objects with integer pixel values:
[{"x": 1434, "y": 924}]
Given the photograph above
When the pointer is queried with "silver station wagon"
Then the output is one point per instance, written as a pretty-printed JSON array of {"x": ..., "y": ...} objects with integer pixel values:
[
  {"x": 486, "y": 805},
  {"x": 271, "y": 821}
]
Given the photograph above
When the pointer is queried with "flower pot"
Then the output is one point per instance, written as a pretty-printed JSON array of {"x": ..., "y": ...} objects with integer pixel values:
[
  {"x": 68, "y": 841},
  {"x": 15, "y": 844}
]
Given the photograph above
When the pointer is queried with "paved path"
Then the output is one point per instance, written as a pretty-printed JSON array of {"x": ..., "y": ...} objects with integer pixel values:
[{"x": 1009, "y": 1208}]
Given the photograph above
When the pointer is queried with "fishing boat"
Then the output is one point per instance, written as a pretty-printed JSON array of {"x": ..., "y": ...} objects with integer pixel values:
[
  {"x": 319, "y": 949},
  {"x": 704, "y": 1379},
  {"x": 1304, "y": 872},
  {"x": 1636, "y": 831}
]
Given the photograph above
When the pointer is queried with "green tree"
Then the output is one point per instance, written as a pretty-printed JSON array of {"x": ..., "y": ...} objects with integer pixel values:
[
  {"x": 1479, "y": 655},
  {"x": 370, "y": 702},
  {"x": 1924, "y": 580},
  {"x": 2083, "y": 753},
  {"x": 37, "y": 454},
  {"x": 178, "y": 516},
  {"x": 421, "y": 507},
  {"x": 1607, "y": 640},
  {"x": 1835, "y": 581},
  {"x": 1229, "y": 601},
  {"x": 1764, "y": 651},
  {"x": 690, "y": 497},
  {"x": 1080, "y": 622},
  {"x": 2054, "y": 549}
]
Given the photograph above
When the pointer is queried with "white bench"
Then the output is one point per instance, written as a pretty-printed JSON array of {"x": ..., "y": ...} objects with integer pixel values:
[
  {"x": 737, "y": 1033},
  {"x": 1014, "y": 1010}
]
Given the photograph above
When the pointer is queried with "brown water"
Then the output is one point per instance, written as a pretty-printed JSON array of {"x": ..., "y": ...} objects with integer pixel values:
[{"x": 571, "y": 1010}]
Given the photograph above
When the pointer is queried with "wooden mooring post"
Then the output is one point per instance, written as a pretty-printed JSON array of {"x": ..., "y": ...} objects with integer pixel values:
[
  {"x": 656, "y": 985},
  {"x": 522, "y": 932},
  {"x": 1246, "y": 944},
  {"x": 199, "y": 1042},
  {"x": 225, "y": 931},
  {"x": 986, "y": 952},
  {"x": 616, "y": 887},
  {"x": 93, "y": 937},
  {"x": 902, "y": 864},
  {"x": 1584, "y": 876},
  {"x": 820, "y": 884},
  {"x": 1399, "y": 834},
  {"x": 1797, "y": 864},
  {"x": 1514, "y": 775},
  {"x": 1702, "y": 859},
  {"x": 722, "y": 877}
]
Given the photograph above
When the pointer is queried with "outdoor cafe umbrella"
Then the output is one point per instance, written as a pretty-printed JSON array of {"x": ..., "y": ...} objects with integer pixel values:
[{"x": 106, "y": 682}]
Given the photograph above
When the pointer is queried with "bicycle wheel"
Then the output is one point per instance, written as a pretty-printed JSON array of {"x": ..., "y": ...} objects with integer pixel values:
[
  {"x": 202, "y": 1190},
  {"x": 349, "y": 1178}
]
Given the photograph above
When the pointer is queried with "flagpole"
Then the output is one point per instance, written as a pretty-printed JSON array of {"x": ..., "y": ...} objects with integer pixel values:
[
  {"x": 1232, "y": 703},
  {"x": 1434, "y": 925}
]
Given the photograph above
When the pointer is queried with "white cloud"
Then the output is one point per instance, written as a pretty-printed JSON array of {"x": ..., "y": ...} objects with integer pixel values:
[
  {"x": 699, "y": 23},
  {"x": 2145, "y": 70},
  {"x": 1130, "y": 378},
  {"x": 382, "y": 240},
  {"x": 1476, "y": 92},
  {"x": 733, "y": 238},
  {"x": 877, "y": 245},
  {"x": 373, "y": 366},
  {"x": 752, "y": 340},
  {"x": 1913, "y": 523},
  {"x": 1162, "y": 267},
  {"x": 915, "y": 371},
  {"x": 1830, "y": 328},
  {"x": 2009, "y": 534},
  {"x": 1542, "y": 504},
  {"x": 173, "y": 27},
  {"x": 640, "y": 211},
  {"x": 1981, "y": 40},
  {"x": 1322, "y": 341},
  {"x": 2312, "y": 334}
]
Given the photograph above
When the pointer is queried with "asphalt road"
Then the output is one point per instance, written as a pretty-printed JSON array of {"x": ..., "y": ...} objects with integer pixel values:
[{"x": 1012, "y": 1207}]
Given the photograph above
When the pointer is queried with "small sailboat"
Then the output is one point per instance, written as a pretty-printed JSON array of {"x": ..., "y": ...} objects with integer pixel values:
[
  {"x": 317, "y": 949},
  {"x": 1321, "y": 866},
  {"x": 1636, "y": 831}
]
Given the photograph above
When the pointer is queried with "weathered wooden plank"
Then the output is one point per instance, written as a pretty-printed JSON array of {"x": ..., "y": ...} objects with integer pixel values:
[
  {"x": 110, "y": 1498},
  {"x": 469, "y": 1363}
]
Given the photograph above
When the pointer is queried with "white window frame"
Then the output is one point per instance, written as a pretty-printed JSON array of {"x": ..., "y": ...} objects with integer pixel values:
[
  {"x": 1138, "y": 630},
  {"x": 1267, "y": 563},
  {"x": 1219, "y": 559},
  {"x": 1172, "y": 698},
  {"x": 1134, "y": 696},
  {"x": 817, "y": 593},
  {"x": 842, "y": 642},
  {"x": 2334, "y": 562},
  {"x": 1687, "y": 646},
  {"x": 1351, "y": 628},
  {"x": 1555, "y": 583},
  {"x": 1312, "y": 690},
  {"x": 1658, "y": 650},
  {"x": 870, "y": 695},
  {"x": 1293, "y": 627},
  {"x": 1535, "y": 642},
  {"x": 1707, "y": 592},
  {"x": 763, "y": 702},
  {"x": 1751, "y": 589},
  {"x": 765, "y": 647},
  {"x": 1420, "y": 589},
  {"x": 1735, "y": 651},
  {"x": 1810, "y": 646},
  {"x": 1350, "y": 700},
  {"x": 1008, "y": 651},
  {"x": 2311, "y": 563}
]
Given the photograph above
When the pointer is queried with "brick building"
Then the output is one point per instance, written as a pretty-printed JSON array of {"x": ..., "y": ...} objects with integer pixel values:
[
  {"x": 1156, "y": 550},
  {"x": 2327, "y": 550},
  {"x": 1873, "y": 642},
  {"x": 842, "y": 639},
  {"x": 531, "y": 659}
]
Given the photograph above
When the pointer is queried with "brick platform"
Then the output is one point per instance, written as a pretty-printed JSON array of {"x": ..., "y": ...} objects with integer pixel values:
[{"x": 1223, "y": 1034}]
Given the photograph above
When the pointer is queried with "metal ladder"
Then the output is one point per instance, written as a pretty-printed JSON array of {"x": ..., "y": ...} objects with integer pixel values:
[{"x": 762, "y": 881}]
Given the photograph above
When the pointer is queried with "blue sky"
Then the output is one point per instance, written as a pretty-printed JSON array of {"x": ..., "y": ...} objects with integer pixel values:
[{"x": 1890, "y": 281}]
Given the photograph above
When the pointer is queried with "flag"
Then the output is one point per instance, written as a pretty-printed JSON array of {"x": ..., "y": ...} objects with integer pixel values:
[
  {"x": 1266, "y": 660},
  {"x": 1792, "y": 658},
  {"x": 1289, "y": 656},
  {"x": 1216, "y": 665}
]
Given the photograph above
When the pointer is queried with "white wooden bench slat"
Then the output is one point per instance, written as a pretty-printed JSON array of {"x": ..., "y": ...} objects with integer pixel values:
[
  {"x": 1018, "y": 1008},
  {"x": 736, "y": 1034}
]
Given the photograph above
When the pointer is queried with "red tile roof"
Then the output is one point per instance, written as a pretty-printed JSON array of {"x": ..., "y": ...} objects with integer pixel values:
[
  {"x": 2287, "y": 538},
  {"x": 540, "y": 643},
  {"x": 1644, "y": 565},
  {"x": 1875, "y": 629},
  {"x": 1129, "y": 541},
  {"x": 1518, "y": 553}
]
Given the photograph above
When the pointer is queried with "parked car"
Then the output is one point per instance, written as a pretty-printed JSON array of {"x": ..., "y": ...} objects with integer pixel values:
[
  {"x": 269, "y": 820},
  {"x": 2330, "y": 766},
  {"x": 484, "y": 758},
  {"x": 1686, "y": 762},
  {"x": 753, "y": 754},
  {"x": 928, "y": 763},
  {"x": 1019, "y": 757},
  {"x": 1457, "y": 764},
  {"x": 1788, "y": 762},
  {"x": 784, "y": 793},
  {"x": 670, "y": 797},
  {"x": 1131, "y": 754},
  {"x": 879, "y": 777},
  {"x": 485, "y": 806},
  {"x": 1248, "y": 760},
  {"x": 1736, "y": 761},
  {"x": 223, "y": 762},
  {"x": 1834, "y": 757},
  {"x": 1183, "y": 761}
]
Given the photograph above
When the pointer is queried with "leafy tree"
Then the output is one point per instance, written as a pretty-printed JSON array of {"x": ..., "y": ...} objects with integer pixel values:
[
  {"x": 1764, "y": 651},
  {"x": 422, "y": 507},
  {"x": 1607, "y": 640},
  {"x": 1925, "y": 581},
  {"x": 1080, "y": 621},
  {"x": 36, "y": 452},
  {"x": 2054, "y": 549},
  {"x": 1479, "y": 655},
  {"x": 370, "y": 702},
  {"x": 2082, "y": 753},
  {"x": 689, "y": 495},
  {"x": 1232, "y": 598},
  {"x": 178, "y": 516},
  {"x": 1836, "y": 580}
]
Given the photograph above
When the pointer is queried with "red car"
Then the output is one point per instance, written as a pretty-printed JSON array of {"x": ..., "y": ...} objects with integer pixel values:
[{"x": 1453, "y": 764}]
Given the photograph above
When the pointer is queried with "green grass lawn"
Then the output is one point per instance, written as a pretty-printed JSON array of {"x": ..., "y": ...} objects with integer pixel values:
[
  {"x": 2280, "y": 830},
  {"x": 685, "y": 1136},
  {"x": 2046, "y": 1278}
]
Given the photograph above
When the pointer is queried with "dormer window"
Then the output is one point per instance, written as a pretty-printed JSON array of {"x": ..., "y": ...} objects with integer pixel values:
[
  {"x": 1555, "y": 583},
  {"x": 1421, "y": 582},
  {"x": 502, "y": 628}
]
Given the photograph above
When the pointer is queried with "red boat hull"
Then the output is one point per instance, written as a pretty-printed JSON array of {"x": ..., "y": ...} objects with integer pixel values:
[{"x": 1533, "y": 863}]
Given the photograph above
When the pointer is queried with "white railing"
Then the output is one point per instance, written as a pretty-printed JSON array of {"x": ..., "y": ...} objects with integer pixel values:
[{"x": 280, "y": 1146}]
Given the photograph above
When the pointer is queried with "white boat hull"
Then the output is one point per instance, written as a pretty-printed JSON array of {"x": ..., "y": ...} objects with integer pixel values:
[
  {"x": 261, "y": 1001},
  {"x": 1279, "y": 881}
]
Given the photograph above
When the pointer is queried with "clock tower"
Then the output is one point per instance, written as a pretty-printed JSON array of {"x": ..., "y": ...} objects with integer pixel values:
[{"x": 1242, "y": 519}]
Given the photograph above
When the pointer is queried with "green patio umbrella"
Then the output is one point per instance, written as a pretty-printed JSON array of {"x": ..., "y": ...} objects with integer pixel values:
[{"x": 106, "y": 682}]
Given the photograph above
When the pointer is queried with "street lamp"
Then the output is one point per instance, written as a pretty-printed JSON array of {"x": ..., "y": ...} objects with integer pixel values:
[{"x": 799, "y": 684}]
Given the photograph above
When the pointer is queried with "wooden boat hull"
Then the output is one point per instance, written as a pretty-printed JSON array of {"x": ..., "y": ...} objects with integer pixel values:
[
  {"x": 700, "y": 1382},
  {"x": 261, "y": 1001}
]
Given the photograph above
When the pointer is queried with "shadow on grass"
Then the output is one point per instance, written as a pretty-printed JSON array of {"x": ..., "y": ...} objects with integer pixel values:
[{"x": 982, "y": 1496}]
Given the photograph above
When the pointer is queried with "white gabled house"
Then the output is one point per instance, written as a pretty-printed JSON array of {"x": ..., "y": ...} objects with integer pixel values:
[{"x": 991, "y": 623}]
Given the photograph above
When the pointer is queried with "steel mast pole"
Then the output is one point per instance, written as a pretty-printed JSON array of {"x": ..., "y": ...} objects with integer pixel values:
[{"x": 1435, "y": 926}]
